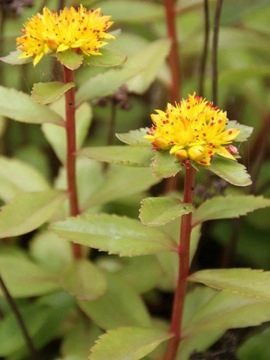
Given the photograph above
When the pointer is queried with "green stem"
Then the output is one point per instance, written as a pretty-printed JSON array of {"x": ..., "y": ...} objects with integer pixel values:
[
  {"x": 71, "y": 150},
  {"x": 183, "y": 272},
  {"x": 174, "y": 60},
  {"x": 215, "y": 52},
  {"x": 19, "y": 319}
]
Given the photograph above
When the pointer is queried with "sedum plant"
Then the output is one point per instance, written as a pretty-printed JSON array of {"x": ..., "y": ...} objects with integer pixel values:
[{"x": 92, "y": 268}]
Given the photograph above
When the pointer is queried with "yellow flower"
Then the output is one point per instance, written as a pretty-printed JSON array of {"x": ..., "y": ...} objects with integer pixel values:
[
  {"x": 50, "y": 32},
  {"x": 193, "y": 129}
]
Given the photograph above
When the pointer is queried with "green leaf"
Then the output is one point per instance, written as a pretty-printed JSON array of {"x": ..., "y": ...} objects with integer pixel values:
[
  {"x": 12, "y": 340},
  {"x": 13, "y": 58},
  {"x": 108, "y": 58},
  {"x": 70, "y": 58},
  {"x": 152, "y": 58},
  {"x": 252, "y": 347},
  {"x": 24, "y": 278},
  {"x": 227, "y": 207},
  {"x": 117, "y": 154},
  {"x": 165, "y": 165},
  {"x": 83, "y": 280},
  {"x": 132, "y": 11},
  {"x": 51, "y": 251},
  {"x": 45, "y": 93},
  {"x": 114, "y": 184},
  {"x": 28, "y": 211},
  {"x": 231, "y": 171},
  {"x": 128, "y": 343},
  {"x": 11, "y": 184},
  {"x": 21, "y": 107},
  {"x": 161, "y": 210},
  {"x": 245, "y": 131},
  {"x": 119, "y": 306},
  {"x": 135, "y": 137},
  {"x": 105, "y": 84},
  {"x": 246, "y": 282},
  {"x": 56, "y": 135},
  {"x": 115, "y": 234}
]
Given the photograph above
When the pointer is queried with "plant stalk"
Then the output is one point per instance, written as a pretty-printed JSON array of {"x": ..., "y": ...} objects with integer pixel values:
[
  {"x": 215, "y": 52},
  {"x": 173, "y": 59},
  {"x": 183, "y": 272},
  {"x": 19, "y": 319},
  {"x": 203, "y": 61},
  {"x": 70, "y": 108}
]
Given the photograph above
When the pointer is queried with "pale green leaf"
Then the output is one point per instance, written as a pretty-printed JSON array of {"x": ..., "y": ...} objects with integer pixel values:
[
  {"x": 245, "y": 282},
  {"x": 135, "y": 137},
  {"x": 19, "y": 106},
  {"x": 114, "y": 184},
  {"x": 50, "y": 250},
  {"x": 152, "y": 57},
  {"x": 128, "y": 343},
  {"x": 45, "y": 93},
  {"x": 115, "y": 234},
  {"x": 108, "y": 58},
  {"x": 17, "y": 176},
  {"x": 157, "y": 211},
  {"x": 28, "y": 211},
  {"x": 132, "y": 11},
  {"x": 25, "y": 278},
  {"x": 13, "y": 58},
  {"x": 165, "y": 165},
  {"x": 70, "y": 58},
  {"x": 83, "y": 280},
  {"x": 226, "y": 207},
  {"x": 120, "y": 305},
  {"x": 56, "y": 135},
  {"x": 245, "y": 131},
  {"x": 117, "y": 154},
  {"x": 231, "y": 171},
  {"x": 106, "y": 83}
]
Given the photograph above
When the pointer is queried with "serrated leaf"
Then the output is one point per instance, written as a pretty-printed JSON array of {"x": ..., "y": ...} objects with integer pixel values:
[
  {"x": 13, "y": 58},
  {"x": 108, "y": 58},
  {"x": 83, "y": 280},
  {"x": 156, "y": 211},
  {"x": 25, "y": 278},
  {"x": 21, "y": 107},
  {"x": 29, "y": 178},
  {"x": 113, "y": 185},
  {"x": 227, "y": 207},
  {"x": 56, "y": 135},
  {"x": 115, "y": 234},
  {"x": 246, "y": 282},
  {"x": 70, "y": 58},
  {"x": 165, "y": 165},
  {"x": 245, "y": 131},
  {"x": 135, "y": 137},
  {"x": 231, "y": 171},
  {"x": 117, "y": 154},
  {"x": 28, "y": 211},
  {"x": 128, "y": 343},
  {"x": 45, "y": 93},
  {"x": 120, "y": 305}
]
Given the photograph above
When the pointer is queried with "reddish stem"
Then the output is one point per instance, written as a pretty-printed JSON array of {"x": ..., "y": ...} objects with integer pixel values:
[
  {"x": 71, "y": 149},
  {"x": 183, "y": 272},
  {"x": 173, "y": 59}
]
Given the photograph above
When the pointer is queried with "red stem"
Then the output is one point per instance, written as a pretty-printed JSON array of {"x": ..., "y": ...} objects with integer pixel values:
[
  {"x": 173, "y": 59},
  {"x": 183, "y": 273},
  {"x": 71, "y": 149}
]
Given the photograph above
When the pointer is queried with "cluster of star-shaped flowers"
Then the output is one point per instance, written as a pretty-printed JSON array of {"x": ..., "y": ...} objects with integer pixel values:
[
  {"x": 194, "y": 130},
  {"x": 79, "y": 29}
]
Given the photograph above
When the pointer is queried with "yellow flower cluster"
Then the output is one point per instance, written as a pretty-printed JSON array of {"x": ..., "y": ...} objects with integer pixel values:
[
  {"x": 50, "y": 32},
  {"x": 193, "y": 129}
]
